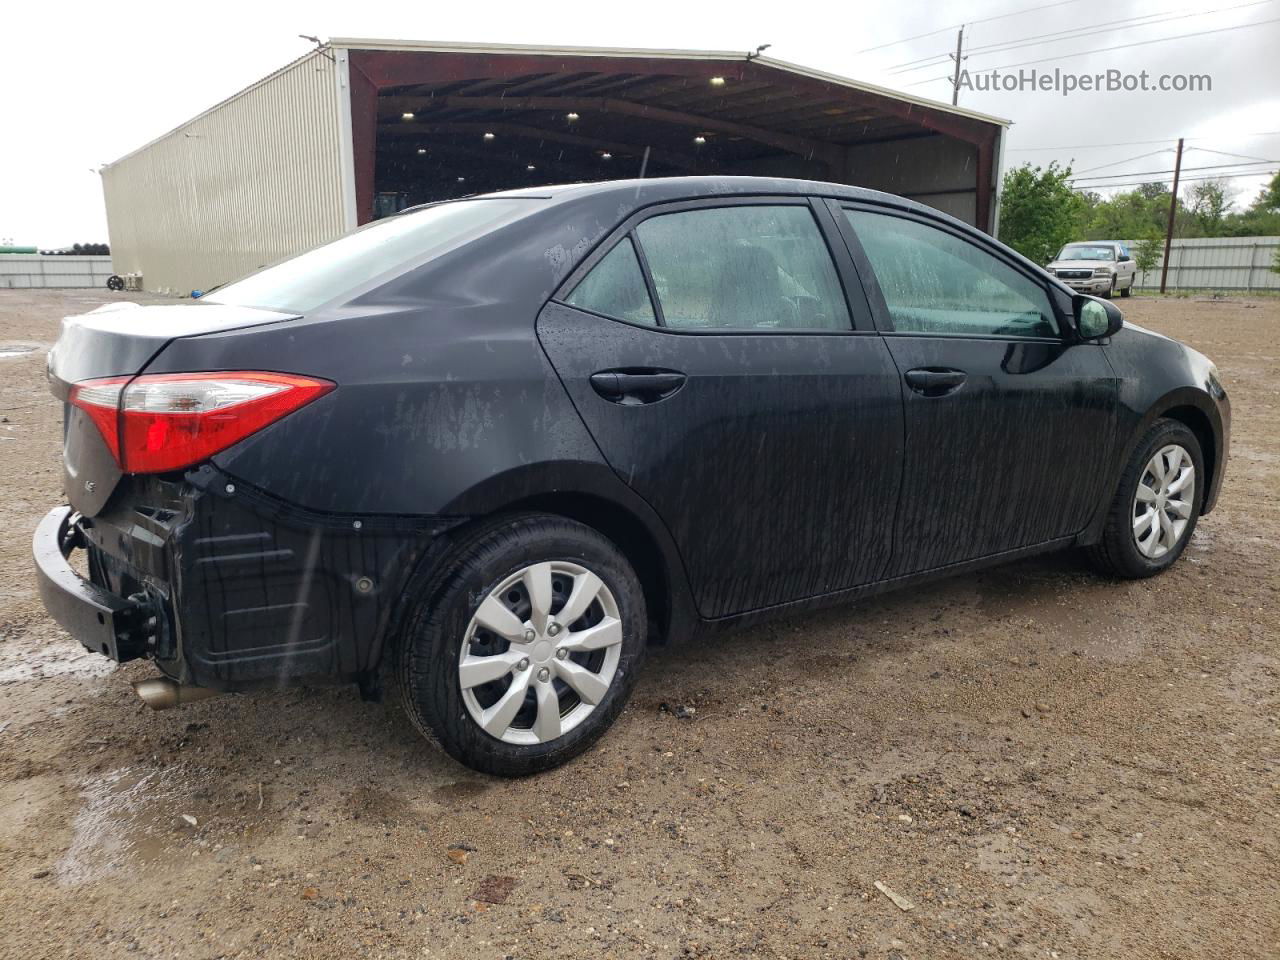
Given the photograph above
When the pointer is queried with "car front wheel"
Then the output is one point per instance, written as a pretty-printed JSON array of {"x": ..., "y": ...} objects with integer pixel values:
[
  {"x": 525, "y": 646},
  {"x": 1155, "y": 509}
]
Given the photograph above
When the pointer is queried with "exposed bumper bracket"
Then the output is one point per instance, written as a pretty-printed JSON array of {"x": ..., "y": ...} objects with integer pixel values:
[{"x": 116, "y": 627}]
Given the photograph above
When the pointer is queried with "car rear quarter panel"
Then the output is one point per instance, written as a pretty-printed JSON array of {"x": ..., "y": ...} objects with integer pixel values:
[{"x": 441, "y": 382}]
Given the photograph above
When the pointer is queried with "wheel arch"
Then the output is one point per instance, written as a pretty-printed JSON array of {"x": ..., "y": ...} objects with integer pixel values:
[
  {"x": 629, "y": 534},
  {"x": 1195, "y": 410},
  {"x": 592, "y": 494},
  {"x": 1198, "y": 422}
]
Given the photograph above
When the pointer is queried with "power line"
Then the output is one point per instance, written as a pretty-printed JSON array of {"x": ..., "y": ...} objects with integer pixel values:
[
  {"x": 909, "y": 65},
  {"x": 1143, "y": 173},
  {"x": 957, "y": 26},
  {"x": 1117, "y": 163},
  {"x": 1074, "y": 33},
  {"x": 1139, "y": 143},
  {"x": 1127, "y": 46},
  {"x": 1225, "y": 153},
  {"x": 1138, "y": 183}
]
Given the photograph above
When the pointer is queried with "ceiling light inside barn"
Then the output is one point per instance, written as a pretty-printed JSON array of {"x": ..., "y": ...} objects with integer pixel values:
[
  {"x": 606, "y": 155},
  {"x": 717, "y": 81},
  {"x": 422, "y": 150},
  {"x": 462, "y": 179},
  {"x": 531, "y": 167},
  {"x": 571, "y": 116},
  {"x": 406, "y": 116},
  {"x": 488, "y": 136},
  {"x": 699, "y": 139}
]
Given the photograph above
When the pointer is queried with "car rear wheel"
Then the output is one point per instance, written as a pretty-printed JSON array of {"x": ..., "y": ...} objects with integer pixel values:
[
  {"x": 1128, "y": 291},
  {"x": 1111, "y": 290},
  {"x": 1155, "y": 509},
  {"x": 526, "y": 645}
]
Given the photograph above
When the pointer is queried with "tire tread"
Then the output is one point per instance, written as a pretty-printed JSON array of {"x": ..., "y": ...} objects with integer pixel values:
[
  {"x": 425, "y": 645},
  {"x": 1113, "y": 555}
]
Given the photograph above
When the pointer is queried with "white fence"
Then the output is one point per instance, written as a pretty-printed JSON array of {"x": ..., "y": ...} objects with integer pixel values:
[
  {"x": 36, "y": 270},
  {"x": 1218, "y": 263},
  {"x": 1242, "y": 264}
]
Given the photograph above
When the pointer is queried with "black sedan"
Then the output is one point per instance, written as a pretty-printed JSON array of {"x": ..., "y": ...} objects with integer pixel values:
[{"x": 487, "y": 450}]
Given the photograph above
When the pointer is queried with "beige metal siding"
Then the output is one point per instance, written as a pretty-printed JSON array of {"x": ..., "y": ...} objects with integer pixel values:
[
  {"x": 254, "y": 179},
  {"x": 1217, "y": 263}
]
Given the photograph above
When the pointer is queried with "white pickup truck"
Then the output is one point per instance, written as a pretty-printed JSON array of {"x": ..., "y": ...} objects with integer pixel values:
[{"x": 1102, "y": 267}]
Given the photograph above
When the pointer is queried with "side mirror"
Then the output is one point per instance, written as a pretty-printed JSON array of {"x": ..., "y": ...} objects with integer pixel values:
[{"x": 1094, "y": 318}]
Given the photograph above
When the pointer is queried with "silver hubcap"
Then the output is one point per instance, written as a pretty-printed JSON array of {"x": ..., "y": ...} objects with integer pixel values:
[
  {"x": 1163, "y": 502},
  {"x": 540, "y": 653}
]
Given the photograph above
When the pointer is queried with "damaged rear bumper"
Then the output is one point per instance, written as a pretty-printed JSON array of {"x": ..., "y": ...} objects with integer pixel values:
[
  {"x": 114, "y": 626},
  {"x": 226, "y": 587}
]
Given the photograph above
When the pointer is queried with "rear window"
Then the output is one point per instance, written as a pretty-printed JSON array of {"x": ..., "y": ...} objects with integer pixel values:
[{"x": 318, "y": 276}]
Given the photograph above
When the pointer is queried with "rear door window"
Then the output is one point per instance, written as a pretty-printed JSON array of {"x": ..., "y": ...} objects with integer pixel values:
[{"x": 753, "y": 266}]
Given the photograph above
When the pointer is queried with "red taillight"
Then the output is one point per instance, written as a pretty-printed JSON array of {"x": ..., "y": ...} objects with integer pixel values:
[{"x": 169, "y": 421}]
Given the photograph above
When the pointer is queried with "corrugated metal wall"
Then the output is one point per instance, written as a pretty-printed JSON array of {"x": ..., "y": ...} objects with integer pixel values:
[
  {"x": 937, "y": 171},
  {"x": 37, "y": 270},
  {"x": 1217, "y": 263},
  {"x": 252, "y": 180}
]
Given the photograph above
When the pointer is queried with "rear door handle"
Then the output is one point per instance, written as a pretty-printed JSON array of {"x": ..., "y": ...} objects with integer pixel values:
[
  {"x": 633, "y": 386},
  {"x": 935, "y": 381}
]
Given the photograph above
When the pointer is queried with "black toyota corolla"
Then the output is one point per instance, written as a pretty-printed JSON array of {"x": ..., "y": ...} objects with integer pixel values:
[{"x": 491, "y": 448}]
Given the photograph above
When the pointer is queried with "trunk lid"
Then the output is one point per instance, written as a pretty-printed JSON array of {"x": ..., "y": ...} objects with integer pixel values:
[{"x": 117, "y": 340}]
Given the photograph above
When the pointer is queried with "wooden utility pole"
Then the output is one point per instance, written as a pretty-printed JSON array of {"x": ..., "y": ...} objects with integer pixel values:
[
  {"x": 955, "y": 81},
  {"x": 1173, "y": 210}
]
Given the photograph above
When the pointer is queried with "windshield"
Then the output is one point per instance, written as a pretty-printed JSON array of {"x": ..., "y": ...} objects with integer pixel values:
[
  {"x": 1087, "y": 251},
  {"x": 318, "y": 276}
]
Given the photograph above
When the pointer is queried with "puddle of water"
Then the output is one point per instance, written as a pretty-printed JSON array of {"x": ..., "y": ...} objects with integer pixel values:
[
  {"x": 126, "y": 821},
  {"x": 56, "y": 660}
]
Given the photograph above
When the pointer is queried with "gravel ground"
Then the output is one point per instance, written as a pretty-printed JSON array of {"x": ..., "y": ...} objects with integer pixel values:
[{"x": 1044, "y": 763}]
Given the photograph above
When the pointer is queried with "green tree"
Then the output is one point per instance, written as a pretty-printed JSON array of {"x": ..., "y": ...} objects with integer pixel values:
[
  {"x": 1146, "y": 252},
  {"x": 1269, "y": 198},
  {"x": 1039, "y": 211},
  {"x": 1209, "y": 202},
  {"x": 1261, "y": 218},
  {"x": 1129, "y": 215}
]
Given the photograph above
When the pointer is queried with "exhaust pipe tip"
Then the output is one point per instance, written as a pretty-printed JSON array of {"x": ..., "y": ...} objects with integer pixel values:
[{"x": 161, "y": 693}]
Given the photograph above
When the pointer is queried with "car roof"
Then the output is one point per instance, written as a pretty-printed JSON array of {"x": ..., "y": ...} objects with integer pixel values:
[{"x": 639, "y": 193}]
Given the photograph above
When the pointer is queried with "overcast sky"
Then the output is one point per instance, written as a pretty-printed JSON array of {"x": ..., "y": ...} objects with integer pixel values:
[{"x": 85, "y": 83}]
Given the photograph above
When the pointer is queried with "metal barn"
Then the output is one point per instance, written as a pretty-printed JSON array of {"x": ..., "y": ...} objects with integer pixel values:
[{"x": 358, "y": 129}]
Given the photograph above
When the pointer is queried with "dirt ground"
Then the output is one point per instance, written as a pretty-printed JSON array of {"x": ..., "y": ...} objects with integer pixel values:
[{"x": 1045, "y": 763}]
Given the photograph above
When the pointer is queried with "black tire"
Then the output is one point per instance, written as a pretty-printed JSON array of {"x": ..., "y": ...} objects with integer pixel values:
[
  {"x": 1128, "y": 291},
  {"x": 1117, "y": 553},
  {"x": 1111, "y": 290},
  {"x": 430, "y": 647}
]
